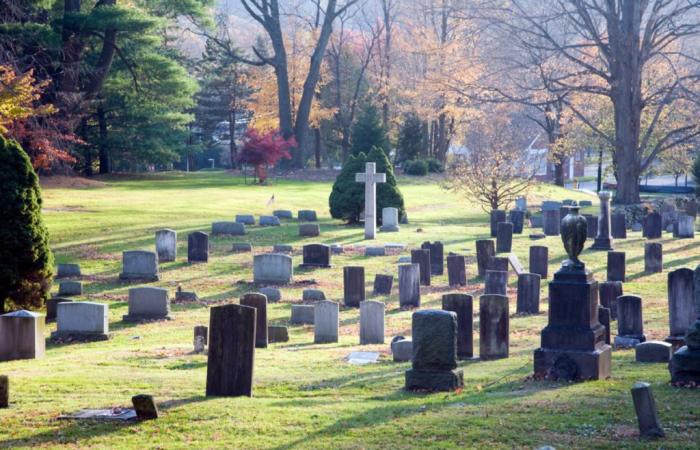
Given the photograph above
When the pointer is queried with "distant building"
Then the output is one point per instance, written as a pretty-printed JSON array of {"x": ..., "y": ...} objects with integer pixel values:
[{"x": 538, "y": 150}]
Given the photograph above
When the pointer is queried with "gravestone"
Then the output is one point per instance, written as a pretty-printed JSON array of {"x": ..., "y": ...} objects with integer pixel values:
[
  {"x": 516, "y": 264},
  {"x": 302, "y": 315},
  {"x": 139, "y": 265},
  {"x": 326, "y": 322},
  {"x": 500, "y": 263},
  {"x": 616, "y": 266},
  {"x": 273, "y": 294},
  {"x": 309, "y": 229},
  {"x": 375, "y": 251},
  {"x": 653, "y": 257},
  {"x": 409, "y": 285},
  {"x": 591, "y": 226},
  {"x": 462, "y": 306},
  {"x": 564, "y": 210},
  {"x": 437, "y": 256},
  {"x": 370, "y": 178},
  {"x": 227, "y": 228},
  {"x": 496, "y": 216},
  {"x": 353, "y": 285},
  {"x": 22, "y": 335},
  {"x": 231, "y": 351},
  {"x": 52, "y": 306},
  {"x": 144, "y": 407},
  {"x": 245, "y": 219},
  {"x": 504, "y": 237},
  {"x": 422, "y": 258},
  {"x": 312, "y": 295},
  {"x": 277, "y": 333},
  {"x": 371, "y": 322},
  {"x": 434, "y": 361},
  {"x": 685, "y": 363},
  {"x": 306, "y": 215},
  {"x": 201, "y": 338},
  {"x": 401, "y": 348},
  {"x": 283, "y": 213},
  {"x": 618, "y": 224},
  {"x": 528, "y": 301},
  {"x": 148, "y": 303},
  {"x": 282, "y": 248},
  {"x": 585, "y": 203},
  {"x": 539, "y": 260},
  {"x": 630, "y": 324},
  {"x": 496, "y": 282},
  {"x": 608, "y": 292},
  {"x": 84, "y": 321},
  {"x": 686, "y": 227},
  {"x": 604, "y": 319},
  {"x": 382, "y": 284},
  {"x": 603, "y": 240},
  {"x": 272, "y": 268},
  {"x": 259, "y": 302},
  {"x": 691, "y": 208},
  {"x": 681, "y": 307},
  {"x": 551, "y": 223},
  {"x": 269, "y": 221},
  {"x": 652, "y": 226},
  {"x": 197, "y": 247},
  {"x": 4, "y": 391},
  {"x": 316, "y": 255},
  {"x": 494, "y": 327},
  {"x": 185, "y": 296},
  {"x": 456, "y": 270},
  {"x": 166, "y": 245},
  {"x": 517, "y": 218},
  {"x": 550, "y": 205},
  {"x": 241, "y": 247},
  {"x": 536, "y": 222},
  {"x": 390, "y": 220},
  {"x": 653, "y": 352},
  {"x": 67, "y": 270},
  {"x": 70, "y": 287},
  {"x": 645, "y": 408},
  {"x": 485, "y": 250},
  {"x": 521, "y": 203}
]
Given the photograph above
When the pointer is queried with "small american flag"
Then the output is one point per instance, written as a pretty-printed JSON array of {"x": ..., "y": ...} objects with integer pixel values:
[{"x": 271, "y": 201}]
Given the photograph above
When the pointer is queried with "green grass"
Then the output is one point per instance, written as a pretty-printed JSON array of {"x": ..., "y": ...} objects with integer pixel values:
[{"x": 306, "y": 395}]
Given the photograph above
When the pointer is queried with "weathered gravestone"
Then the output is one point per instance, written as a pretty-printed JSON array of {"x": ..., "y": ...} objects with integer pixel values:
[
  {"x": 316, "y": 255},
  {"x": 494, "y": 327},
  {"x": 434, "y": 362},
  {"x": 500, "y": 263},
  {"x": 4, "y": 391},
  {"x": 604, "y": 319},
  {"x": 521, "y": 203},
  {"x": 645, "y": 408},
  {"x": 496, "y": 216},
  {"x": 401, "y": 348},
  {"x": 283, "y": 213},
  {"x": 591, "y": 226},
  {"x": 618, "y": 224},
  {"x": 83, "y": 321},
  {"x": 504, "y": 237},
  {"x": 616, "y": 266},
  {"x": 686, "y": 227},
  {"x": 652, "y": 226},
  {"x": 67, "y": 270},
  {"x": 681, "y": 307},
  {"x": 485, "y": 250},
  {"x": 273, "y": 294},
  {"x": 139, "y": 265},
  {"x": 277, "y": 333},
  {"x": 201, "y": 338},
  {"x": 309, "y": 230},
  {"x": 371, "y": 322},
  {"x": 306, "y": 215},
  {"x": 370, "y": 178},
  {"x": 312, "y": 295},
  {"x": 70, "y": 287},
  {"x": 550, "y": 205},
  {"x": 390, "y": 220},
  {"x": 422, "y": 258},
  {"x": 259, "y": 302},
  {"x": 52, "y": 306},
  {"x": 409, "y": 285},
  {"x": 551, "y": 223},
  {"x": 148, "y": 303},
  {"x": 539, "y": 260},
  {"x": 166, "y": 245},
  {"x": 22, "y": 335},
  {"x": 228, "y": 228},
  {"x": 375, "y": 251},
  {"x": 326, "y": 322},
  {"x": 241, "y": 247},
  {"x": 630, "y": 324},
  {"x": 603, "y": 240},
  {"x": 528, "y": 301},
  {"x": 197, "y": 247},
  {"x": 437, "y": 256},
  {"x": 517, "y": 218},
  {"x": 496, "y": 282},
  {"x": 516, "y": 264},
  {"x": 382, "y": 284},
  {"x": 302, "y": 315},
  {"x": 456, "y": 270},
  {"x": 272, "y": 268},
  {"x": 353, "y": 285},
  {"x": 231, "y": 351},
  {"x": 608, "y": 292},
  {"x": 245, "y": 219},
  {"x": 282, "y": 248},
  {"x": 685, "y": 363},
  {"x": 269, "y": 221},
  {"x": 653, "y": 257},
  {"x": 462, "y": 306},
  {"x": 653, "y": 352},
  {"x": 144, "y": 407}
]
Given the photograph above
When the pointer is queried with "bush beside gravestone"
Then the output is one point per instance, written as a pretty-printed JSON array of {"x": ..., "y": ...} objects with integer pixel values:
[{"x": 416, "y": 168}]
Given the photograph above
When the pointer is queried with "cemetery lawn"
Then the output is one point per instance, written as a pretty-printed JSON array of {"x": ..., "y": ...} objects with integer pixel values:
[{"x": 306, "y": 395}]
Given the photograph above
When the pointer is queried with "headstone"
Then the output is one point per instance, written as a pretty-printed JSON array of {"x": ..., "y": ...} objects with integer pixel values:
[
  {"x": 316, "y": 255},
  {"x": 653, "y": 352},
  {"x": 67, "y": 270},
  {"x": 145, "y": 407},
  {"x": 550, "y": 205},
  {"x": 485, "y": 250},
  {"x": 22, "y": 335},
  {"x": 306, "y": 215},
  {"x": 228, "y": 228},
  {"x": 273, "y": 294},
  {"x": 536, "y": 221},
  {"x": 277, "y": 333},
  {"x": 603, "y": 240},
  {"x": 591, "y": 226},
  {"x": 539, "y": 260},
  {"x": 551, "y": 223},
  {"x": 390, "y": 220},
  {"x": 462, "y": 306},
  {"x": 691, "y": 208},
  {"x": 608, "y": 292},
  {"x": 375, "y": 251},
  {"x": 201, "y": 338},
  {"x": 652, "y": 226},
  {"x": 497, "y": 216},
  {"x": 528, "y": 294},
  {"x": 563, "y": 211},
  {"x": 52, "y": 306},
  {"x": 326, "y": 322},
  {"x": 231, "y": 351},
  {"x": 409, "y": 285},
  {"x": 309, "y": 229},
  {"x": 382, "y": 284},
  {"x": 645, "y": 408},
  {"x": 500, "y": 263},
  {"x": 259, "y": 302},
  {"x": 148, "y": 303},
  {"x": 630, "y": 325},
  {"x": 166, "y": 245},
  {"x": 494, "y": 327},
  {"x": 604, "y": 319},
  {"x": 517, "y": 218},
  {"x": 434, "y": 362},
  {"x": 272, "y": 268},
  {"x": 185, "y": 296},
  {"x": 653, "y": 257},
  {"x": 504, "y": 237},
  {"x": 521, "y": 203},
  {"x": 245, "y": 219},
  {"x": 283, "y": 213},
  {"x": 4, "y": 391},
  {"x": 496, "y": 282},
  {"x": 269, "y": 221},
  {"x": 516, "y": 264},
  {"x": 371, "y": 322},
  {"x": 456, "y": 270},
  {"x": 353, "y": 285},
  {"x": 312, "y": 295},
  {"x": 681, "y": 307},
  {"x": 241, "y": 247},
  {"x": 82, "y": 321},
  {"x": 302, "y": 315},
  {"x": 370, "y": 178},
  {"x": 685, "y": 363},
  {"x": 282, "y": 248},
  {"x": 686, "y": 227},
  {"x": 139, "y": 265},
  {"x": 422, "y": 258},
  {"x": 618, "y": 224},
  {"x": 437, "y": 256},
  {"x": 402, "y": 348},
  {"x": 585, "y": 203},
  {"x": 198, "y": 247},
  {"x": 70, "y": 287},
  {"x": 616, "y": 266},
  {"x": 567, "y": 202}
]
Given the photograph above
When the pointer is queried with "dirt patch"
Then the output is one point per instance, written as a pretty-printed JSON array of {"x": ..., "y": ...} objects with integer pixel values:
[{"x": 65, "y": 182}]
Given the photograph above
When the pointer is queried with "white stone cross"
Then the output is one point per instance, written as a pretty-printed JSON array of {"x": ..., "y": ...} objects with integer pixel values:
[{"x": 370, "y": 178}]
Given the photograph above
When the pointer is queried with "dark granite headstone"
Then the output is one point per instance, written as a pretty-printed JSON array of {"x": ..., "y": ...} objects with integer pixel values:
[
  {"x": 353, "y": 285},
  {"x": 316, "y": 255},
  {"x": 485, "y": 250},
  {"x": 645, "y": 408},
  {"x": 539, "y": 260},
  {"x": 591, "y": 226},
  {"x": 681, "y": 308},
  {"x": 497, "y": 216},
  {"x": 259, "y": 302},
  {"x": 652, "y": 226},
  {"x": 422, "y": 258},
  {"x": 608, "y": 292},
  {"x": 494, "y": 327},
  {"x": 277, "y": 333},
  {"x": 551, "y": 223},
  {"x": 456, "y": 270},
  {"x": 630, "y": 324},
  {"x": 616, "y": 266},
  {"x": 604, "y": 319},
  {"x": 382, "y": 284},
  {"x": 409, "y": 285},
  {"x": 436, "y": 256},
  {"x": 496, "y": 282},
  {"x": 145, "y": 407},
  {"x": 517, "y": 218},
  {"x": 528, "y": 294},
  {"x": 198, "y": 247},
  {"x": 4, "y": 391},
  {"x": 52, "y": 307},
  {"x": 653, "y": 257},
  {"x": 504, "y": 237},
  {"x": 618, "y": 223},
  {"x": 499, "y": 263},
  {"x": 462, "y": 305}
]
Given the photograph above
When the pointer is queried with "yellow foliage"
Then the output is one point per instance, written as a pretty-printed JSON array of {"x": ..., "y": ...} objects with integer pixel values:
[{"x": 18, "y": 95}]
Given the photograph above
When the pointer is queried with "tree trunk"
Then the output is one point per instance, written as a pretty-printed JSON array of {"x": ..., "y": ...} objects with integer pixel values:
[
  {"x": 558, "y": 171},
  {"x": 233, "y": 150},
  {"x": 317, "y": 146},
  {"x": 104, "y": 148}
]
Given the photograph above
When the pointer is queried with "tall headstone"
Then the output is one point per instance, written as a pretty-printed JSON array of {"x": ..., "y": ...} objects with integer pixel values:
[
  {"x": 409, "y": 285},
  {"x": 353, "y": 285},
  {"x": 685, "y": 363},
  {"x": 485, "y": 250},
  {"x": 604, "y": 319},
  {"x": 608, "y": 292},
  {"x": 22, "y": 335},
  {"x": 686, "y": 226},
  {"x": 521, "y": 203},
  {"x": 551, "y": 223},
  {"x": 390, "y": 220},
  {"x": 616, "y": 266},
  {"x": 148, "y": 303},
  {"x": 456, "y": 270},
  {"x": 618, "y": 225},
  {"x": 201, "y": 338},
  {"x": 259, "y": 302},
  {"x": 422, "y": 258},
  {"x": 497, "y": 216},
  {"x": 603, "y": 240},
  {"x": 539, "y": 260},
  {"x": 272, "y": 268},
  {"x": 370, "y": 178},
  {"x": 4, "y": 391},
  {"x": 496, "y": 282},
  {"x": 371, "y": 322},
  {"x": 652, "y": 226},
  {"x": 462, "y": 305},
  {"x": 166, "y": 245},
  {"x": 681, "y": 306},
  {"x": 645, "y": 408},
  {"x": 198, "y": 247},
  {"x": 517, "y": 218},
  {"x": 630, "y": 324},
  {"x": 437, "y": 256},
  {"x": 504, "y": 237},
  {"x": 434, "y": 362},
  {"x": 653, "y": 257},
  {"x": 316, "y": 255},
  {"x": 591, "y": 226},
  {"x": 494, "y": 327},
  {"x": 139, "y": 265},
  {"x": 528, "y": 301},
  {"x": 231, "y": 351},
  {"x": 326, "y": 322}
]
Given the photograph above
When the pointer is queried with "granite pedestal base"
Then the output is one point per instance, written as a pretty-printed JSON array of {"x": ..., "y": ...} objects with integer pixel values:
[
  {"x": 573, "y": 365},
  {"x": 434, "y": 380}
]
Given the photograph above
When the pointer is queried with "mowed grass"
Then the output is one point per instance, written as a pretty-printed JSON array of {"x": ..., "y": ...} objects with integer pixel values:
[{"x": 307, "y": 395}]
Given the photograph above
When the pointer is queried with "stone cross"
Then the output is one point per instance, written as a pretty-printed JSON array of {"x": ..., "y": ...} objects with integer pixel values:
[{"x": 370, "y": 178}]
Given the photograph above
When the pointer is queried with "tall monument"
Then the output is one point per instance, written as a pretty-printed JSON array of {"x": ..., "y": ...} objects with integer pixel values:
[{"x": 370, "y": 178}]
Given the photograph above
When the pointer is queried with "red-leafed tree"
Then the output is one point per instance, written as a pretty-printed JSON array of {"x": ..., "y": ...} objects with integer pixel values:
[{"x": 262, "y": 150}]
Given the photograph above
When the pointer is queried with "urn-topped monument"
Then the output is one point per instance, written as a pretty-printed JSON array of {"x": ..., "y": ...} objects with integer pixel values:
[{"x": 573, "y": 343}]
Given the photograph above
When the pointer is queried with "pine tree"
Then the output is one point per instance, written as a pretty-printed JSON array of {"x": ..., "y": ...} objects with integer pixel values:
[
  {"x": 413, "y": 140},
  {"x": 347, "y": 198},
  {"x": 367, "y": 132},
  {"x": 26, "y": 262}
]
